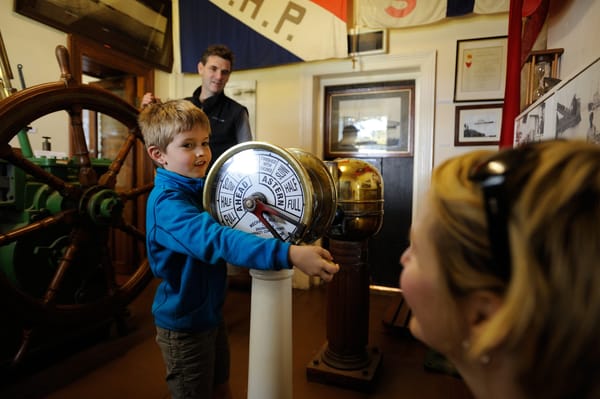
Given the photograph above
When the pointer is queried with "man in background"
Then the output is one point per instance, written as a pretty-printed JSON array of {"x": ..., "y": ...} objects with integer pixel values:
[{"x": 228, "y": 119}]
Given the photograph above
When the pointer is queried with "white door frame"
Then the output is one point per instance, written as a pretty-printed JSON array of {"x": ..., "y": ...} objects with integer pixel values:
[{"x": 420, "y": 67}]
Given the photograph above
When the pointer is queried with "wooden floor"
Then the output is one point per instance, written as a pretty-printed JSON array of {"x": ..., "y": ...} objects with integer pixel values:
[{"x": 131, "y": 366}]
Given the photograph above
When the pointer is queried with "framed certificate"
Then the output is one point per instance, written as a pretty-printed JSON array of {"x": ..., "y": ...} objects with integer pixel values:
[{"x": 480, "y": 69}]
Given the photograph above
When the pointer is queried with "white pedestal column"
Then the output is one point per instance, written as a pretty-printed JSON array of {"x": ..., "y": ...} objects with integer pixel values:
[{"x": 270, "y": 354}]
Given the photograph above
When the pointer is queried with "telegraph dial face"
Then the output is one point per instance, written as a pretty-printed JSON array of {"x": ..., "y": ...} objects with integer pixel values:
[{"x": 262, "y": 189}]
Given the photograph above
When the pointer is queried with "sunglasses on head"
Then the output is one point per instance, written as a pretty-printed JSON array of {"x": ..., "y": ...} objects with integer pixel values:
[{"x": 501, "y": 177}]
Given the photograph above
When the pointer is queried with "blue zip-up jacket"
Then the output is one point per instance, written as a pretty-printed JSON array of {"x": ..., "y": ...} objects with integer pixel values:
[{"x": 188, "y": 249}]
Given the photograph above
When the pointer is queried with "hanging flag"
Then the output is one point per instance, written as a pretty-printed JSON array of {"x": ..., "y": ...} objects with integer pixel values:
[
  {"x": 404, "y": 13},
  {"x": 261, "y": 33},
  {"x": 534, "y": 14},
  {"x": 512, "y": 91}
]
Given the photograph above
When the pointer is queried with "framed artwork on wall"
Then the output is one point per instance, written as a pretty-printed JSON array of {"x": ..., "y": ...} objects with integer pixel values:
[
  {"x": 537, "y": 123},
  {"x": 369, "y": 120},
  {"x": 366, "y": 41},
  {"x": 478, "y": 124},
  {"x": 141, "y": 29},
  {"x": 569, "y": 110},
  {"x": 577, "y": 106},
  {"x": 480, "y": 73}
]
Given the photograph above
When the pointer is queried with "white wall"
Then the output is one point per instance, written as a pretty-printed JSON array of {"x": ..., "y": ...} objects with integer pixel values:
[
  {"x": 575, "y": 26},
  {"x": 32, "y": 45}
]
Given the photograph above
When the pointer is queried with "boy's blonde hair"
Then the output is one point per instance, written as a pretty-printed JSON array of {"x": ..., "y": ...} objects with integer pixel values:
[{"x": 161, "y": 122}]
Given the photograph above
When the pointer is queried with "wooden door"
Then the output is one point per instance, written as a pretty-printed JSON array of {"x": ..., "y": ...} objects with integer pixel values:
[
  {"x": 129, "y": 78},
  {"x": 386, "y": 247}
]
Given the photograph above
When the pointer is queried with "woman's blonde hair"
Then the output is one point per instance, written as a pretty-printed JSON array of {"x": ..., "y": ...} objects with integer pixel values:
[
  {"x": 550, "y": 317},
  {"x": 160, "y": 122}
]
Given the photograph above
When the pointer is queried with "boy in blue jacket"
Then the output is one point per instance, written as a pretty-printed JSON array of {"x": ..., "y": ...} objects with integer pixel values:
[{"x": 187, "y": 250}]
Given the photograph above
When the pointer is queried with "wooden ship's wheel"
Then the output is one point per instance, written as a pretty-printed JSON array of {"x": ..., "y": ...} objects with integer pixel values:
[{"x": 60, "y": 218}]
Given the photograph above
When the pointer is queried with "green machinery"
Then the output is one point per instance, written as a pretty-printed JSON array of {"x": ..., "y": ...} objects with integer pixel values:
[
  {"x": 25, "y": 202},
  {"x": 63, "y": 222}
]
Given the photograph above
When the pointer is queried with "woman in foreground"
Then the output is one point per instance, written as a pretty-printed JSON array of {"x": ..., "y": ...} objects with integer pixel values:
[{"x": 503, "y": 271}]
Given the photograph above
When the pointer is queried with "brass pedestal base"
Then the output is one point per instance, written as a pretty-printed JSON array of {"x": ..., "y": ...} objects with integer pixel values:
[{"x": 362, "y": 379}]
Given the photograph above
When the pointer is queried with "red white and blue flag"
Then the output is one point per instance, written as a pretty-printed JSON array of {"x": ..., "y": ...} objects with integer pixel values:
[
  {"x": 404, "y": 13},
  {"x": 263, "y": 33}
]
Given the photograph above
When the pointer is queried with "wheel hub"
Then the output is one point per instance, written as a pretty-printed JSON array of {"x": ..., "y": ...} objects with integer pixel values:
[{"x": 104, "y": 206}]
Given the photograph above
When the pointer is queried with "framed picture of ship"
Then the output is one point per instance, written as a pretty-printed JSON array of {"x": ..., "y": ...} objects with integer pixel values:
[
  {"x": 536, "y": 123},
  {"x": 578, "y": 105},
  {"x": 367, "y": 120},
  {"x": 477, "y": 124}
]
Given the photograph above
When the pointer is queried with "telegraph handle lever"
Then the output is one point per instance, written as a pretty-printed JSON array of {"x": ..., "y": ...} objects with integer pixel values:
[{"x": 257, "y": 205}]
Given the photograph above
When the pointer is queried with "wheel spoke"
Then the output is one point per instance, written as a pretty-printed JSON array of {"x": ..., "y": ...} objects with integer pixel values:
[
  {"x": 22, "y": 232},
  {"x": 81, "y": 155},
  {"x": 109, "y": 270},
  {"x": 67, "y": 260},
  {"x": 109, "y": 178},
  {"x": 25, "y": 340},
  {"x": 136, "y": 192},
  {"x": 132, "y": 231},
  {"x": 66, "y": 189}
]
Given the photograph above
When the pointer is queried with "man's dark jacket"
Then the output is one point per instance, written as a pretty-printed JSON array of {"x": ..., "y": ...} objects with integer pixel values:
[{"x": 228, "y": 121}]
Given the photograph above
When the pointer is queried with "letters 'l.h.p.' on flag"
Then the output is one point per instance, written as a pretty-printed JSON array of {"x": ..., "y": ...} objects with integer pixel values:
[{"x": 263, "y": 33}]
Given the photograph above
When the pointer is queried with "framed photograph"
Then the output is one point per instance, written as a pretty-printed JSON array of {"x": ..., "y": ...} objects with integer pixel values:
[
  {"x": 480, "y": 73},
  {"x": 578, "y": 105},
  {"x": 537, "y": 123},
  {"x": 369, "y": 120},
  {"x": 141, "y": 28},
  {"x": 478, "y": 124},
  {"x": 366, "y": 41}
]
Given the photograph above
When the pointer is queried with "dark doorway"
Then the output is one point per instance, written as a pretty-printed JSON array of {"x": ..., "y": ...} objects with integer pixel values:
[
  {"x": 386, "y": 246},
  {"x": 382, "y": 115}
]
